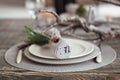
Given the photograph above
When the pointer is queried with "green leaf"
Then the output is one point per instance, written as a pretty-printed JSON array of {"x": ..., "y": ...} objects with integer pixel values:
[
  {"x": 81, "y": 10},
  {"x": 35, "y": 38}
]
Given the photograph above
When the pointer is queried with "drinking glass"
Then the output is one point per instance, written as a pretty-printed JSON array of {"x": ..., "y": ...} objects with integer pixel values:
[{"x": 34, "y": 6}]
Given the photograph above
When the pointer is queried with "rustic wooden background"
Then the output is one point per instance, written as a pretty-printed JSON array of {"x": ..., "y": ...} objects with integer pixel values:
[{"x": 12, "y": 32}]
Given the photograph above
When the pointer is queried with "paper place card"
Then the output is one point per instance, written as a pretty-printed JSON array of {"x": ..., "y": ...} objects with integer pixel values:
[{"x": 62, "y": 50}]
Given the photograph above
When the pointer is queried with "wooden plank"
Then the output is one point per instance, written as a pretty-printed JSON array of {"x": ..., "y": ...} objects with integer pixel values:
[{"x": 56, "y": 76}]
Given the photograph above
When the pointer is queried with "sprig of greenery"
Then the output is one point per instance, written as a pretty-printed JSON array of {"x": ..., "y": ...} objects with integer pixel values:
[
  {"x": 81, "y": 10},
  {"x": 35, "y": 38}
]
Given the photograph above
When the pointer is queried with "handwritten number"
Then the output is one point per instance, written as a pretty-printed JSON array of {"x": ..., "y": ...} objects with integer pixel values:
[{"x": 67, "y": 49}]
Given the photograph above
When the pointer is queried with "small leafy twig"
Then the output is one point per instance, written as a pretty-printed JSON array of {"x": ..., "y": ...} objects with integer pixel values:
[{"x": 81, "y": 10}]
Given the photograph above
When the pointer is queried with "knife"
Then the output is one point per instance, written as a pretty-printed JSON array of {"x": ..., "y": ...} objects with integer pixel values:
[{"x": 20, "y": 52}]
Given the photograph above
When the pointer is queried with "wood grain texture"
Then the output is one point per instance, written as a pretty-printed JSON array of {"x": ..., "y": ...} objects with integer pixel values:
[{"x": 11, "y": 32}]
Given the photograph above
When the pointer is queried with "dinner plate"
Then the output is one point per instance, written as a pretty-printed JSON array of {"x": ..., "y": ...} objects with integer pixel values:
[
  {"x": 108, "y": 56},
  {"x": 79, "y": 48},
  {"x": 31, "y": 57}
]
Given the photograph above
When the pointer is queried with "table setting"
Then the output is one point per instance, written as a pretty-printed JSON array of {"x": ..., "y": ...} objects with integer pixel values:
[
  {"x": 35, "y": 63},
  {"x": 89, "y": 44},
  {"x": 55, "y": 48}
]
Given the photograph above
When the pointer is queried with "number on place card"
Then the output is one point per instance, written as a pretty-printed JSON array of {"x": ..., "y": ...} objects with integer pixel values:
[{"x": 63, "y": 50}]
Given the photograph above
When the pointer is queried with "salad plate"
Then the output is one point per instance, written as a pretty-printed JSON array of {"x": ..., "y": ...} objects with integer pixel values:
[{"x": 79, "y": 48}]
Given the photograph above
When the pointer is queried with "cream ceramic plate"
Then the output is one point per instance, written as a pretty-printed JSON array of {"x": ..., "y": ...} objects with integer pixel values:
[
  {"x": 79, "y": 48},
  {"x": 95, "y": 53}
]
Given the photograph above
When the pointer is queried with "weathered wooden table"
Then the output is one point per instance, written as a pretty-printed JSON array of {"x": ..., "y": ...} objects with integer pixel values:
[{"x": 12, "y": 32}]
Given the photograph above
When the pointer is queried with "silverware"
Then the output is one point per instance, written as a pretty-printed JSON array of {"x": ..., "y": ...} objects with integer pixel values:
[
  {"x": 20, "y": 52},
  {"x": 19, "y": 56},
  {"x": 98, "y": 59}
]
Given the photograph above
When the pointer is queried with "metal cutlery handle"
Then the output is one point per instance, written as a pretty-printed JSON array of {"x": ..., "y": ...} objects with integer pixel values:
[{"x": 19, "y": 56}]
